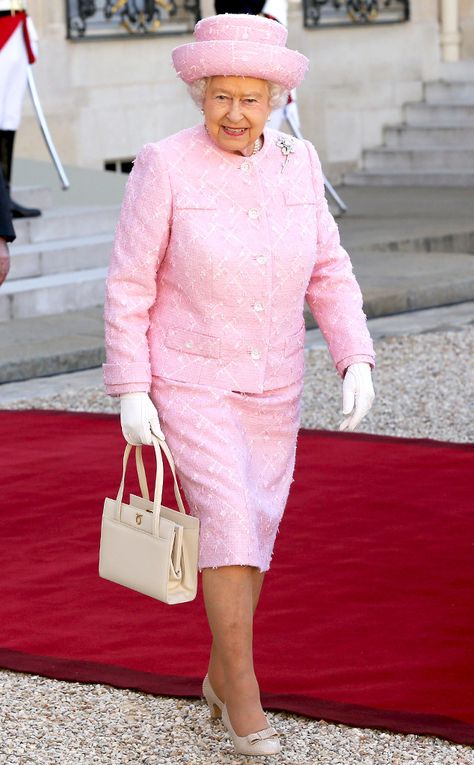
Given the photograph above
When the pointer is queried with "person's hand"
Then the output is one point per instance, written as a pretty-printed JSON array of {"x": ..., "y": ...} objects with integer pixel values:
[
  {"x": 357, "y": 394},
  {"x": 4, "y": 260},
  {"x": 139, "y": 419}
]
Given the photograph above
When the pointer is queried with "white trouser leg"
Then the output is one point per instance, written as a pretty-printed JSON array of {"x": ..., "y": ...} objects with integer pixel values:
[{"x": 13, "y": 76}]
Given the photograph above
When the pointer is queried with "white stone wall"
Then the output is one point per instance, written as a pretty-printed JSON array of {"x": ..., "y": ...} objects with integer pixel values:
[
  {"x": 104, "y": 99},
  {"x": 466, "y": 13}
]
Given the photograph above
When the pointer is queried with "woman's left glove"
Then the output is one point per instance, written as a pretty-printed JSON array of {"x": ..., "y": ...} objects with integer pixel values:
[
  {"x": 139, "y": 418},
  {"x": 357, "y": 394}
]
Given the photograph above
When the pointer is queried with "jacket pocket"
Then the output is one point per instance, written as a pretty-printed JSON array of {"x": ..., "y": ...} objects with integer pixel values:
[
  {"x": 186, "y": 341},
  {"x": 295, "y": 342}
]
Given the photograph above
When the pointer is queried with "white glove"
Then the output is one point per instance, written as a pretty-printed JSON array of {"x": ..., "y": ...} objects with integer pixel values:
[
  {"x": 357, "y": 394},
  {"x": 139, "y": 418}
]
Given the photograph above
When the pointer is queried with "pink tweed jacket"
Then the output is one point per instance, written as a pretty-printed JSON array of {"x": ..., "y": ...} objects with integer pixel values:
[{"x": 213, "y": 257}]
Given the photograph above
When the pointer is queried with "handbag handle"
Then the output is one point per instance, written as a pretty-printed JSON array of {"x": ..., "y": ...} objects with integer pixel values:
[
  {"x": 158, "y": 446},
  {"x": 142, "y": 479},
  {"x": 161, "y": 444}
]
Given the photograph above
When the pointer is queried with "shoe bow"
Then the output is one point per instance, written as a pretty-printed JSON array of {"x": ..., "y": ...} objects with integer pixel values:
[{"x": 262, "y": 734}]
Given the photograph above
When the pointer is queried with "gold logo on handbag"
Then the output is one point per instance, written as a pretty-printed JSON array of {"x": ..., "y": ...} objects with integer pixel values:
[{"x": 138, "y": 518}]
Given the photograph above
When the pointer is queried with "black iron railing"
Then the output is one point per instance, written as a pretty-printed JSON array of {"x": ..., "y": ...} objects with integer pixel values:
[
  {"x": 88, "y": 19},
  {"x": 101, "y": 19},
  {"x": 330, "y": 13}
]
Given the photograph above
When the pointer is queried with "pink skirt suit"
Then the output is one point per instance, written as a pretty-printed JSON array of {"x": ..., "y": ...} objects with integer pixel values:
[{"x": 214, "y": 255}]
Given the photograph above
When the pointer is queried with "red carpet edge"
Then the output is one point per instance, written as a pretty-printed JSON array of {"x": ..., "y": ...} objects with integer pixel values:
[{"x": 169, "y": 685}]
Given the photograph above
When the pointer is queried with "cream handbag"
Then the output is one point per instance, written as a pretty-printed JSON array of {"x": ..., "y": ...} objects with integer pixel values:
[{"x": 146, "y": 546}]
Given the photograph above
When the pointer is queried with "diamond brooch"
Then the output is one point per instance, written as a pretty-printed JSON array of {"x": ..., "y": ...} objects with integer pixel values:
[{"x": 286, "y": 144}]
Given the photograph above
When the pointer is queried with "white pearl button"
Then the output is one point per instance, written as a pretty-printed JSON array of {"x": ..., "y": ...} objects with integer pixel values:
[
  {"x": 245, "y": 167},
  {"x": 258, "y": 306},
  {"x": 255, "y": 354},
  {"x": 188, "y": 344},
  {"x": 261, "y": 260},
  {"x": 253, "y": 213}
]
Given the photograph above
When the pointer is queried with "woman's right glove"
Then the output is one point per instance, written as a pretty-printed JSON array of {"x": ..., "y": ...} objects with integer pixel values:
[
  {"x": 139, "y": 418},
  {"x": 357, "y": 394}
]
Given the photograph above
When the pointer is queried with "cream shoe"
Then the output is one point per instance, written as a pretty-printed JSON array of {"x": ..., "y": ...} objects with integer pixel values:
[
  {"x": 262, "y": 742},
  {"x": 213, "y": 701}
]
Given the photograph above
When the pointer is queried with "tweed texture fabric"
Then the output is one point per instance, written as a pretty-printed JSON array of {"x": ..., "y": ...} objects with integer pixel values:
[
  {"x": 213, "y": 257},
  {"x": 243, "y": 45},
  {"x": 235, "y": 456}
]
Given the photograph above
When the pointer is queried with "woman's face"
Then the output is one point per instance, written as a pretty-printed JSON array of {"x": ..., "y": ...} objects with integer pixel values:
[{"x": 236, "y": 110}]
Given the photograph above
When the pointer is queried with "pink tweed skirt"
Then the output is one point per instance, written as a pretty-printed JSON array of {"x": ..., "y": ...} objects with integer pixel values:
[{"x": 235, "y": 456}]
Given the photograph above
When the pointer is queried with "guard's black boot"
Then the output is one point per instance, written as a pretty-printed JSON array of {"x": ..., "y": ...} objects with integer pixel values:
[
  {"x": 7, "y": 138},
  {"x": 19, "y": 211}
]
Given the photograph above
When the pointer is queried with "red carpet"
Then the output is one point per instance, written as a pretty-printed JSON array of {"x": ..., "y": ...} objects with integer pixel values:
[{"x": 366, "y": 615}]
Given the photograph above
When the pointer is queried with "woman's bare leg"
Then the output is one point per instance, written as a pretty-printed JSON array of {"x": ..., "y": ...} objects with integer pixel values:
[
  {"x": 216, "y": 669},
  {"x": 231, "y": 595}
]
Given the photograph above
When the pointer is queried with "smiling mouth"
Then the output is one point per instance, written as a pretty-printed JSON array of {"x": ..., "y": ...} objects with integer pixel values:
[{"x": 235, "y": 132}]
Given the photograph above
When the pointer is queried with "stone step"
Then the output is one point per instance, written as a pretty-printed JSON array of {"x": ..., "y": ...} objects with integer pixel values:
[
  {"x": 33, "y": 196},
  {"x": 449, "y": 115},
  {"x": 67, "y": 223},
  {"x": 453, "y": 242},
  {"x": 50, "y": 345},
  {"x": 70, "y": 361},
  {"x": 397, "y": 282},
  {"x": 54, "y": 293},
  {"x": 418, "y": 179},
  {"x": 59, "y": 255},
  {"x": 405, "y": 137},
  {"x": 414, "y": 160},
  {"x": 457, "y": 71},
  {"x": 55, "y": 344},
  {"x": 449, "y": 92}
]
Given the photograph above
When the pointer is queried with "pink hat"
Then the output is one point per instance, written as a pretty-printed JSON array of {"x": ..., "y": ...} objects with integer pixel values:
[{"x": 240, "y": 44}]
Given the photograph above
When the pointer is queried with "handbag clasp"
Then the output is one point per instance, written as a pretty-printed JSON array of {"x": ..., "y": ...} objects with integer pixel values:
[{"x": 138, "y": 518}]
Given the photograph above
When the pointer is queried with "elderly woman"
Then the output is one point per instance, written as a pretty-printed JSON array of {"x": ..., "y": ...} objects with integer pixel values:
[{"x": 224, "y": 231}]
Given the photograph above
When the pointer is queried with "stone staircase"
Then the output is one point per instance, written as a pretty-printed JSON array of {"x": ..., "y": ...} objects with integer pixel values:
[
  {"x": 58, "y": 261},
  {"x": 435, "y": 144}
]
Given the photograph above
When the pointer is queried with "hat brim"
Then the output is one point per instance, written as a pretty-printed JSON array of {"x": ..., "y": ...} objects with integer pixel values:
[{"x": 213, "y": 58}]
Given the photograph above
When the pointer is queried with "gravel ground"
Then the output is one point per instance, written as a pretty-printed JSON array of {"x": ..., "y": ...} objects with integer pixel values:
[
  {"x": 424, "y": 390},
  {"x": 50, "y": 722}
]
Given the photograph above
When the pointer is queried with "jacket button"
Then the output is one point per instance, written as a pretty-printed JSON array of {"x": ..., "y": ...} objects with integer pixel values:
[
  {"x": 258, "y": 306},
  {"x": 245, "y": 167},
  {"x": 261, "y": 260},
  {"x": 255, "y": 354},
  {"x": 188, "y": 344},
  {"x": 253, "y": 213}
]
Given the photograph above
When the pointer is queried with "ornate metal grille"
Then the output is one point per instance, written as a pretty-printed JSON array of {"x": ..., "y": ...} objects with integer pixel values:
[
  {"x": 130, "y": 18},
  {"x": 331, "y": 13}
]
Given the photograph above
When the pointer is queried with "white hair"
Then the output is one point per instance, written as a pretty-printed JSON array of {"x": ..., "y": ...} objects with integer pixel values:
[{"x": 278, "y": 95}]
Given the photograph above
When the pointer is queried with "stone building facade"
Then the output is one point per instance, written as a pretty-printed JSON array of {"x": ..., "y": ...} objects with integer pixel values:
[{"x": 105, "y": 98}]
